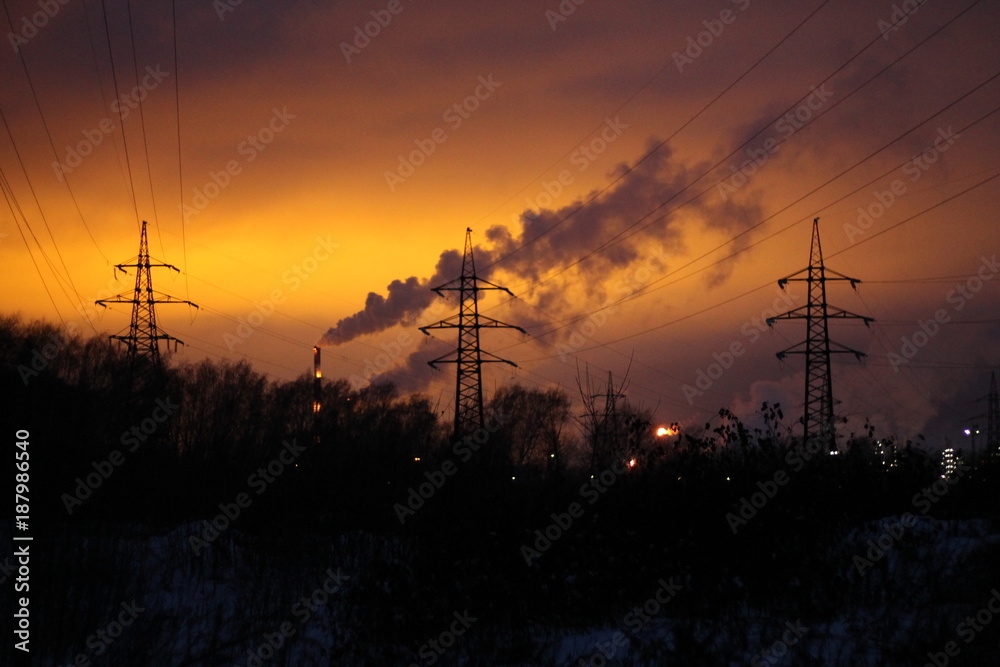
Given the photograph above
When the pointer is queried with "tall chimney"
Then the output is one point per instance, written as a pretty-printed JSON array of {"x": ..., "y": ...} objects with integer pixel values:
[{"x": 317, "y": 380}]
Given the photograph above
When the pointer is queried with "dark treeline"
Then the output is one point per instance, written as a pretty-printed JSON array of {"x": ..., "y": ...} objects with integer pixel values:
[{"x": 546, "y": 516}]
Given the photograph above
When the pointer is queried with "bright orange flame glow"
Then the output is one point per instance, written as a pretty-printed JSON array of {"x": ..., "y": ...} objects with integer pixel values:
[
  {"x": 631, "y": 463},
  {"x": 665, "y": 431}
]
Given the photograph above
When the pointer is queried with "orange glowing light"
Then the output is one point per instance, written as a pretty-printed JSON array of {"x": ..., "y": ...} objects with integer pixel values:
[
  {"x": 663, "y": 431},
  {"x": 631, "y": 463}
]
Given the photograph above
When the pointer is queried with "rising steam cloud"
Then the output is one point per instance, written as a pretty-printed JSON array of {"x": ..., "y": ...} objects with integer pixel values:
[{"x": 638, "y": 192}]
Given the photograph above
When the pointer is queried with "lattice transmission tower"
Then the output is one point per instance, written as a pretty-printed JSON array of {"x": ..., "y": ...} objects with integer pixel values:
[
  {"x": 818, "y": 419},
  {"x": 144, "y": 335},
  {"x": 993, "y": 419},
  {"x": 469, "y": 356}
]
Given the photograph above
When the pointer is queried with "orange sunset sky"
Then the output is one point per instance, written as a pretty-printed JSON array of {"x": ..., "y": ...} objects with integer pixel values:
[{"x": 598, "y": 150}]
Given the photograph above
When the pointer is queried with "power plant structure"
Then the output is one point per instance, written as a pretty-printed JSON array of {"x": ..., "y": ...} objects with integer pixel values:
[{"x": 317, "y": 402}]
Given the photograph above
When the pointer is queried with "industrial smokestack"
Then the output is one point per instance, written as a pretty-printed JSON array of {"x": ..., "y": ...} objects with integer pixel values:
[{"x": 317, "y": 380}]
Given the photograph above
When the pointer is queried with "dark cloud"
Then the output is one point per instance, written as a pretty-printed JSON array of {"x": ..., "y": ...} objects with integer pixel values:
[{"x": 604, "y": 232}]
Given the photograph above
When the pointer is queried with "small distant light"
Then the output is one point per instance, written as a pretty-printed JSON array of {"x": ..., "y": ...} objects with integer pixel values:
[
  {"x": 631, "y": 463},
  {"x": 727, "y": 479},
  {"x": 968, "y": 432},
  {"x": 552, "y": 456},
  {"x": 513, "y": 478},
  {"x": 417, "y": 459}
]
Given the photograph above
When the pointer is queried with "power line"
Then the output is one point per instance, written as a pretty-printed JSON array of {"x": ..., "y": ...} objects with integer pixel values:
[
  {"x": 736, "y": 150},
  {"x": 142, "y": 118},
  {"x": 121, "y": 116},
  {"x": 661, "y": 144},
  {"x": 180, "y": 161},
  {"x": 623, "y": 235},
  {"x": 52, "y": 145},
  {"x": 648, "y": 288}
]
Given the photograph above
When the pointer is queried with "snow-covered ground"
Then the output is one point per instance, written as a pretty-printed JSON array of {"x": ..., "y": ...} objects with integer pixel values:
[{"x": 355, "y": 600}]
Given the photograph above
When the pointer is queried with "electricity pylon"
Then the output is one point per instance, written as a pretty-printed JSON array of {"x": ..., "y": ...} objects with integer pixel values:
[
  {"x": 144, "y": 335},
  {"x": 993, "y": 419},
  {"x": 817, "y": 419},
  {"x": 469, "y": 356}
]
